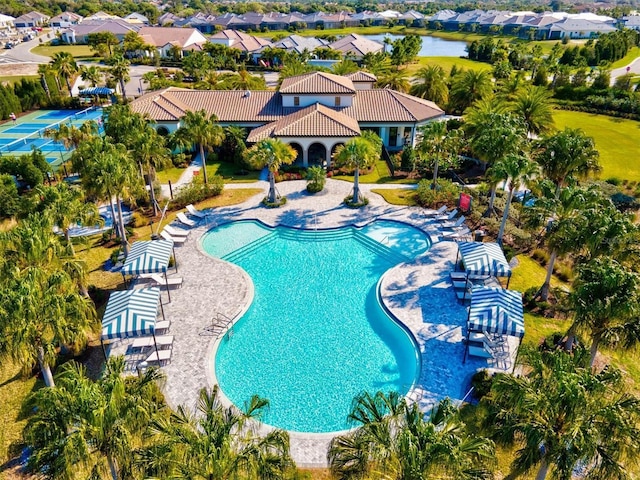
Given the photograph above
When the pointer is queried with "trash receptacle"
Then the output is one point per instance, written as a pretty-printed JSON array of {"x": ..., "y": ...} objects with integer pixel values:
[{"x": 479, "y": 235}]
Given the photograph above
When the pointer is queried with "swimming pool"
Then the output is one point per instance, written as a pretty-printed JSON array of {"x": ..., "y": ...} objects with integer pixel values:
[{"x": 315, "y": 335}]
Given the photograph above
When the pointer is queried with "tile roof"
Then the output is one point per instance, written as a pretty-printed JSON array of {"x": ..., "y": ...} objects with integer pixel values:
[
  {"x": 361, "y": 76},
  {"x": 160, "y": 36},
  {"x": 386, "y": 105},
  {"x": 357, "y": 45},
  {"x": 241, "y": 40},
  {"x": 317, "y": 83},
  {"x": 313, "y": 121}
]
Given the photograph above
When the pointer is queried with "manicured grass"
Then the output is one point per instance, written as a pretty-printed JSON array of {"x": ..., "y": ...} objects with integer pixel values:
[
  {"x": 169, "y": 174},
  {"x": 75, "y": 50},
  {"x": 397, "y": 196},
  {"x": 616, "y": 140},
  {"x": 229, "y": 172},
  {"x": 14, "y": 388},
  {"x": 446, "y": 63},
  {"x": 628, "y": 58},
  {"x": 379, "y": 174},
  {"x": 530, "y": 273},
  {"x": 16, "y": 78}
]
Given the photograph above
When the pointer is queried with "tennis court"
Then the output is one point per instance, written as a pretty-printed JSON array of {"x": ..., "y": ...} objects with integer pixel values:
[{"x": 28, "y": 133}]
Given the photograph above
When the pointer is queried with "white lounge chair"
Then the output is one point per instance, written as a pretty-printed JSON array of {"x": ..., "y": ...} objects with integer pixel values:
[
  {"x": 160, "y": 281},
  {"x": 161, "y": 342},
  {"x": 176, "y": 232},
  {"x": 162, "y": 326},
  {"x": 457, "y": 233},
  {"x": 195, "y": 212},
  {"x": 161, "y": 357},
  {"x": 440, "y": 211},
  {"x": 447, "y": 217},
  {"x": 176, "y": 240},
  {"x": 182, "y": 218},
  {"x": 453, "y": 225}
]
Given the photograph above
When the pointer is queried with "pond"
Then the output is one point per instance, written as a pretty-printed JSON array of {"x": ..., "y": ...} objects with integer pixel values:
[{"x": 431, "y": 46}]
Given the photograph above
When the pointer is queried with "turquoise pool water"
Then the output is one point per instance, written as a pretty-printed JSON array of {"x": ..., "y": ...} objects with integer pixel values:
[{"x": 315, "y": 335}]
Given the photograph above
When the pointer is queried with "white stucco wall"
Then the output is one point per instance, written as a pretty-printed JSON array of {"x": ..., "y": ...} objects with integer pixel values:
[{"x": 306, "y": 100}]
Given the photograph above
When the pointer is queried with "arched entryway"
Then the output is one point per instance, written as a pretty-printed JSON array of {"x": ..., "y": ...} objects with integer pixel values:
[
  {"x": 299, "y": 153},
  {"x": 164, "y": 131},
  {"x": 317, "y": 154},
  {"x": 333, "y": 151}
]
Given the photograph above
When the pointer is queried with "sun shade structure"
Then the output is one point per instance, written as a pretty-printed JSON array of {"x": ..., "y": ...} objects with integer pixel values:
[
  {"x": 495, "y": 310},
  {"x": 151, "y": 256},
  {"x": 131, "y": 313},
  {"x": 97, "y": 91},
  {"x": 483, "y": 259}
]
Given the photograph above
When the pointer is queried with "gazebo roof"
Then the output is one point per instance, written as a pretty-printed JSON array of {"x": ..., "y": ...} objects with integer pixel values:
[
  {"x": 495, "y": 310},
  {"x": 484, "y": 259},
  {"x": 131, "y": 313},
  {"x": 151, "y": 256}
]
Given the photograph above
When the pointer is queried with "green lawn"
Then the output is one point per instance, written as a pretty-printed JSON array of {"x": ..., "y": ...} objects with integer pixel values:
[
  {"x": 15, "y": 78},
  {"x": 379, "y": 174},
  {"x": 616, "y": 140},
  {"x": 77, "y": 51},
  {"x": 628, "y": 58},
  {"x": 397, "y": 196},
  {"x": 231, "y": 173},
  {"x": 446, "y": 63},
  {"x": 169, "y": 174}
]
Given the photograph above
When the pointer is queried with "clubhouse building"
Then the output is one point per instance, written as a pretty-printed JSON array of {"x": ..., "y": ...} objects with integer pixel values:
[{"x": 314, "y": 112}]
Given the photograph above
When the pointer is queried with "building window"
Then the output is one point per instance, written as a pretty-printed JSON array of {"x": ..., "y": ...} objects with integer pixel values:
[
  {"x": 296, "y": 101},
  {"x": 337, "y": 101},
  {"x": 393, "y": 136}
]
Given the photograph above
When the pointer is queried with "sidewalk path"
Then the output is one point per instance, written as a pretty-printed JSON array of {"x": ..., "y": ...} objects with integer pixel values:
[{"x": 634, "y": 67}]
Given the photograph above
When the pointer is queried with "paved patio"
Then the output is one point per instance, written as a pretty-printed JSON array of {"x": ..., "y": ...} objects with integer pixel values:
[{"x": 418, "y": 293}]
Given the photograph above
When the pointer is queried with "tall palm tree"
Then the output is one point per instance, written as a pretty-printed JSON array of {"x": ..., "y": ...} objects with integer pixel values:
[
  {"x": 562, "y": 415},
  {"x": 95, "y": 424},
  {"x": 151, "y": 153},
  {"x": 45, "y": 69},
  {"x": 218, "y": 443},
  {"x": 394, "y": 440},
  {"x": 431, "y": 84},
  {"x": 196, "y": 128},
  {"x": 119, "y": 70},
  {"x": 566, "y": 156},
  {"x": 41, "y": 306},
  {"x": 72, "y": 136},
  {"x": 65, "y": 66},
  {"x": 66, "y": 207},
  {"x": 395, "y": 80},
  {"x": 91, "y": 74},
  {"x": 469, "y": 87},
  {"x": 243, "y": 80},
  {"x": 606, "y": 304},
  {"x": 517, "y": 170},
  {"x": 357, "y": 153},
  {"x": 533, "y": 104},
  {"x": 271, "y": 153},
  {"x": 439, "y": 146}
]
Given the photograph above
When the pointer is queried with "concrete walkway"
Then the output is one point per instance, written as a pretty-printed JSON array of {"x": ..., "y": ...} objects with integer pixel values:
[{"x": 419, "y": 294}]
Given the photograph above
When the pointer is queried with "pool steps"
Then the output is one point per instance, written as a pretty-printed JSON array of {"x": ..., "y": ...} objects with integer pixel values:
[{"x": 317, "y": 236}]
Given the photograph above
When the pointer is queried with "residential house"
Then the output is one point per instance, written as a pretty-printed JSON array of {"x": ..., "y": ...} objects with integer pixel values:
[
  {"x": 314, "y": 113},
  {"x": 356, "y": 46},
  {"x": 166, "y": 38},
  {"x": 65, "y": 20},
  {"x": 31, "y": 19},
  {"x": 168, "y": 19},
  {"x": 632, "y": 22},
  {"x": 6, "y": 22},
  {"x": 137, "y": 18},
  {"x": 103, "y": 16},
  {"x": 78, "y": 34},
  {"x": 298, "y": 44},
  {"x": 572, "y": 28},
  {"x": 240, "y": 40},
  {"x": 362, "y": 80}
]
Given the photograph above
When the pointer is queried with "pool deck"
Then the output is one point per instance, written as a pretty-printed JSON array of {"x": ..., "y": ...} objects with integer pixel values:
[{"x": 418, "y": 293}]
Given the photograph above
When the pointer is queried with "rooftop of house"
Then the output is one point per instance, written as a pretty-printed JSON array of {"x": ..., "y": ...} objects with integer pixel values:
[{"x": 161, "y": 36}]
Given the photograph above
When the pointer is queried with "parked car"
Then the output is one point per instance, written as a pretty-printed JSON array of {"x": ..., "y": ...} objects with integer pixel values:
[{"x": 8, "y": 45}]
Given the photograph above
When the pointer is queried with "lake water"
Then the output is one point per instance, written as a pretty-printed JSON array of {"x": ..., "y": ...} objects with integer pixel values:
[{"x": 431, "y": 46}]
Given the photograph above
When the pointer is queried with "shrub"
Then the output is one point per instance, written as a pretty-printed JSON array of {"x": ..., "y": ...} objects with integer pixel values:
[
  {"x": 138, "y": 220},
  {"x": 481, "y": 383},
  {"x": 278, "y": 203},
  {"x": 613, "y": 181},
  {"x": 446, "y": 192},
  {"x": 197, "y": 191},
  {"x": 348, "y": 201},
  {"x": 563, "y": 272},
  {"x": 540, "y": 256},
  {"x": 316, "y": 177}
]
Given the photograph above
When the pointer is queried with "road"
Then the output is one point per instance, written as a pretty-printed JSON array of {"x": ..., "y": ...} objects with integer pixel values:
[{"x": 633, "y": 67}]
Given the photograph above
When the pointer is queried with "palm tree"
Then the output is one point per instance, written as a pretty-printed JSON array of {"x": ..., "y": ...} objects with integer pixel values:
[
  {"x": 91, "y": 74},
  {"x": 271, "y": 153},
  {"x": 119, "y": 70},
  {"x": 345, "y": 67},
  {"x": 431, "y": 84},
  {"x": 198, "y": 129},
  {"x": 41, "y": 306},
  {"x": 151, "y": 153},
  {"x": 357, "y": 153},
  {"x": 66, "y": 207},
  {"x": 561, "y": 214},
  {"x": 395, "y": 80},
  {"x": 394, "y": 440},
  {"x": 72, "y": 136},
  {"x": 499, "y": 134},
  {"x": 533, "y": 104},
  {"x": 91, "y": 423},
  {"x": 566, "y": 156},
  {"x": 440, "y": 146},
  {"x": 517, "y": 170},
  {"x": 218, "y": 443},
  {"x": 561, "y": 415},
  {"x": 65, "y": 66},
  {"x": 469, "y": 87},
  {"x": 45, "y": 69},
  {"x": 606, "y": 303},
  {"x": 243, "y": 80}
]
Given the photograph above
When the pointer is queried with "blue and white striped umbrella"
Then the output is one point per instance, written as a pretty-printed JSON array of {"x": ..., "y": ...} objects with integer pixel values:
[
  {"x": 131, "y": 313},
  {"x": 484, "y": 259},
  {"x": 495, "y": 310},
  {"x": 151, "y": 256},
  {"x": 97, "y": 91}
]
